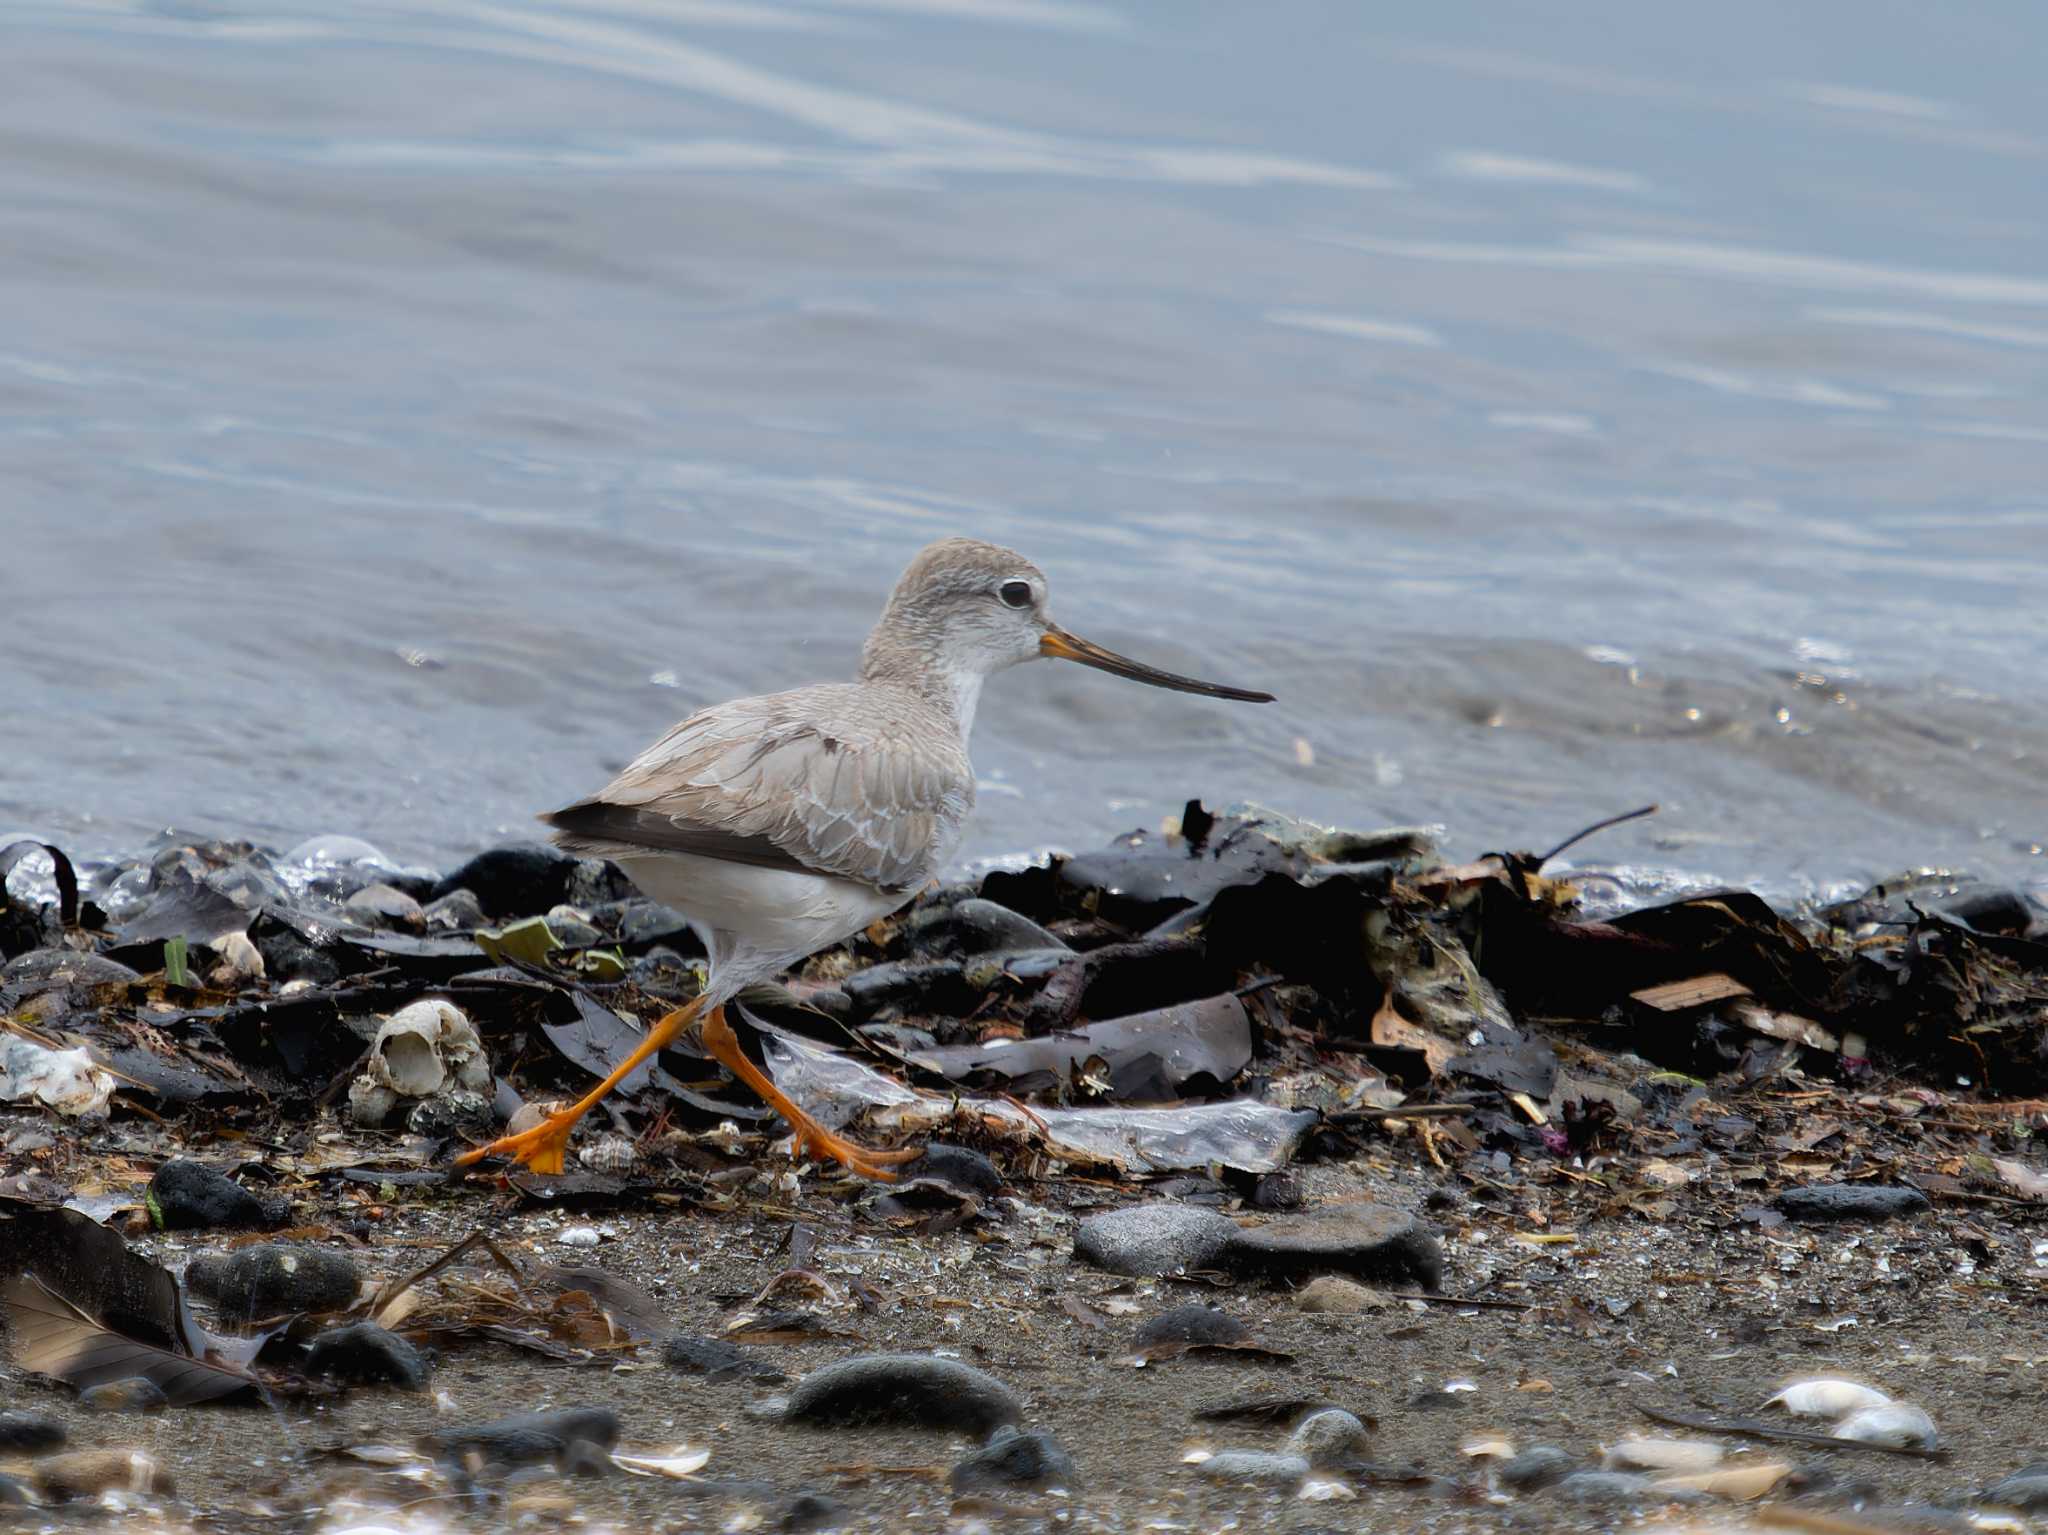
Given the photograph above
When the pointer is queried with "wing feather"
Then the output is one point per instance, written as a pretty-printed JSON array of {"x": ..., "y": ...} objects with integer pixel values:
[{"x": 830, "y": 780}]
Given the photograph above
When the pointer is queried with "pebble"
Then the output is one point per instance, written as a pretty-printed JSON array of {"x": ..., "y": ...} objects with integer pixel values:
[
  {"x": 88, "y": 1473},
  {"x": 135, "y": 1393},
  {"x": 1155, "y": 1238},
  {"x": 912, "y": 1390},
  {"x": 1328, "y": 1438},
  {"x": 810, "y": 1511},
  {"x": 1259, "y": 1468},
  {"x": 716, "y": 1359},
  {"x": 1620, "y": 1487},
  {"x": 1360, "y": 1240},
  {"x": 13, "y": 1494},
  {"x": 1849, "y": 1202},
  {"x": 526, "y": 1437},
  {"x": 580, "y": 1236},
  {"x": 2026, "y": 1488},
  {"x": 956, "y": 1167},
  {"x": 1193, "y": 1325},
  {"x": 1335, "y": 1296},
  {"x": 1541, "y": 1465},
  {"x": 382, "y": 905},
  {"x": 459, "y": 911},
  {"x": 365, "y": 1354},
  {"x": 274, "y": 1279},
  {"x": 974, "y": 926},
  {"x": 26, "y": 1433},
  {"x": 186, "y": 1194},
  {"x": 1014, "y": 1458}
]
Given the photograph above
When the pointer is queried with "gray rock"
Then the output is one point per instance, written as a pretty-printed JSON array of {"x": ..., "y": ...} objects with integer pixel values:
[
  {"x": 459, "y": 911},
  {"x": 911, "y": 1390},
  {"x": 1613, "y": 1487},
  {"x": 1328, "y": 1437},
  {"x": 274, "y": 1279},
  {"x": 1850, "y": 1202},
  {"x": 1155, "y": 1238},
  {"x": 382, "y": 905},
  {"x": 13, "y": 1494},
  {"x": 1255, "y": 1468},
  {"x": 1191, "y": 1325},
  {"x": 1541, "y": 1465},
  {"x": 1015, "y": 1458},
  {"x": 136, "y": 1393},
  {"x": 1363, "y": 1241}
]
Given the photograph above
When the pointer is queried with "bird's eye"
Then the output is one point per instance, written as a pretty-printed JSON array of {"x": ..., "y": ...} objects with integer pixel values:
[{"x": 1015, "y": 594}]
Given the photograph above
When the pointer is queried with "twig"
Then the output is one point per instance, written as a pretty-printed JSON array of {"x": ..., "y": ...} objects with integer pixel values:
[
  {"x": 1749, "y": 1428},
  {"x": 1460, "y": 1301},
  {"x": 1581, "y": 836}
]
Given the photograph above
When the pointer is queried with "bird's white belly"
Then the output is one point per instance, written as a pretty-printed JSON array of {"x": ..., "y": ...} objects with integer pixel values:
[{"x": 774, "y": 911}]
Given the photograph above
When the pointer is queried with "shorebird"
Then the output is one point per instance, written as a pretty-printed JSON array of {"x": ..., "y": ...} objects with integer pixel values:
[{"x": 782, "y": 824}]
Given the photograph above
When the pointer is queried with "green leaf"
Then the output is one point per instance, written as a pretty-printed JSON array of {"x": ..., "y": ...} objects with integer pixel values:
[
  {"x": 530, "y": 942},
  {"x": 156, "y": 1211},
  {"x": 175, "y": 971}
]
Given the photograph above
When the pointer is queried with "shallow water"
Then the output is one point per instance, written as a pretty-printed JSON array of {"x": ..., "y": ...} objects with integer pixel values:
[{"x": 406, "y": 411}]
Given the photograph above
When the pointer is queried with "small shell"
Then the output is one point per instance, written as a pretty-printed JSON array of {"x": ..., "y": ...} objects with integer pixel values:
[
  {"x": 1680, "y": 1456},
  {"x": 1827, "y": 1397},
  {"x": 1900, "y": 1425}
]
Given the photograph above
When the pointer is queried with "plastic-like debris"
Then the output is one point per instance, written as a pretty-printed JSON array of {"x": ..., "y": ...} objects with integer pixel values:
[
  {"x": 1145, "y": 1056},
  {"x": 65, "y": 1080},
  {"x": 1897, "y": 1425},
  {"x": 1239, "y": 1133}
]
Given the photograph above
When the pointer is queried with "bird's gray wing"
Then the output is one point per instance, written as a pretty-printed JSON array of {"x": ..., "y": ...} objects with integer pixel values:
[{"x": 787, "y": 782}]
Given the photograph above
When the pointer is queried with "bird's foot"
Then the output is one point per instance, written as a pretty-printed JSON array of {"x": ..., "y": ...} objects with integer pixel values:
[
  {"x": 542, "y": 1149},
  {"x": 813, "y": 1140}
]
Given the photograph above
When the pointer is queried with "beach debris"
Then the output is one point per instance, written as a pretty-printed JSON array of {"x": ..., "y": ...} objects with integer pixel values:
[
  {"x": 68, "y": 1081},
  {"x": 1849, "y": 1202},
  {"x": 1199, "y": 1046},
  {"x": 77, "y": 1475},
  {"x": 1539, "y": 1466},
  {"x": 679, "y": 1464},
  {"x": 1199, "y": 1329},
  {"x": 716, "y": 1360},
  {"x": 1252, "y": 1468},
  {"x": 555, "y": 1437}
]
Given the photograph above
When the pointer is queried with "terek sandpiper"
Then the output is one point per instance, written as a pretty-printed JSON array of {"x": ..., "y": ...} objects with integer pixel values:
[{"x": 782, "y": 824}]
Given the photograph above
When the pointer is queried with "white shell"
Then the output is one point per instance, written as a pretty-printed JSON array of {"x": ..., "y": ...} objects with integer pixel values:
[
  {"x": 424, "y": 1048},
  {"x": 1648, "y": 1453},
  {"x": 1827, "y": 1397},
  {"x": 65, "y": 1080},
  {"x": 1900, "y": 1425}
]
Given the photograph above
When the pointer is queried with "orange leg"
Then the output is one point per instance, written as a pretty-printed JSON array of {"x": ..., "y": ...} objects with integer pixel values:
[
  {"x": 544, "y": 1147},
  {"x": 812, "y": 1138}
]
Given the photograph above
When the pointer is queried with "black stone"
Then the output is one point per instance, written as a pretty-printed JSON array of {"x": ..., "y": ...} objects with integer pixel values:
[
  {"x": 363, "y": 1353},
  {"x": 25, "y": 1433},
  {"x": 910, "y": 1390},
  {"x": 186, "y": 1194},
  {"x": 958, "y": 1168},
  {"x": 974, "y": 926},
  {"x": 1193, "y": 1324},
  {"x": 1015, "y": 1458},
  {"x": 274, "y": 1279},
  {"x": 715, "y": 1359},
  {"x": 526, "y": 1438},
  {"x": 523, "y": 879},
  {"x": 1850, "y": 1202}
]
